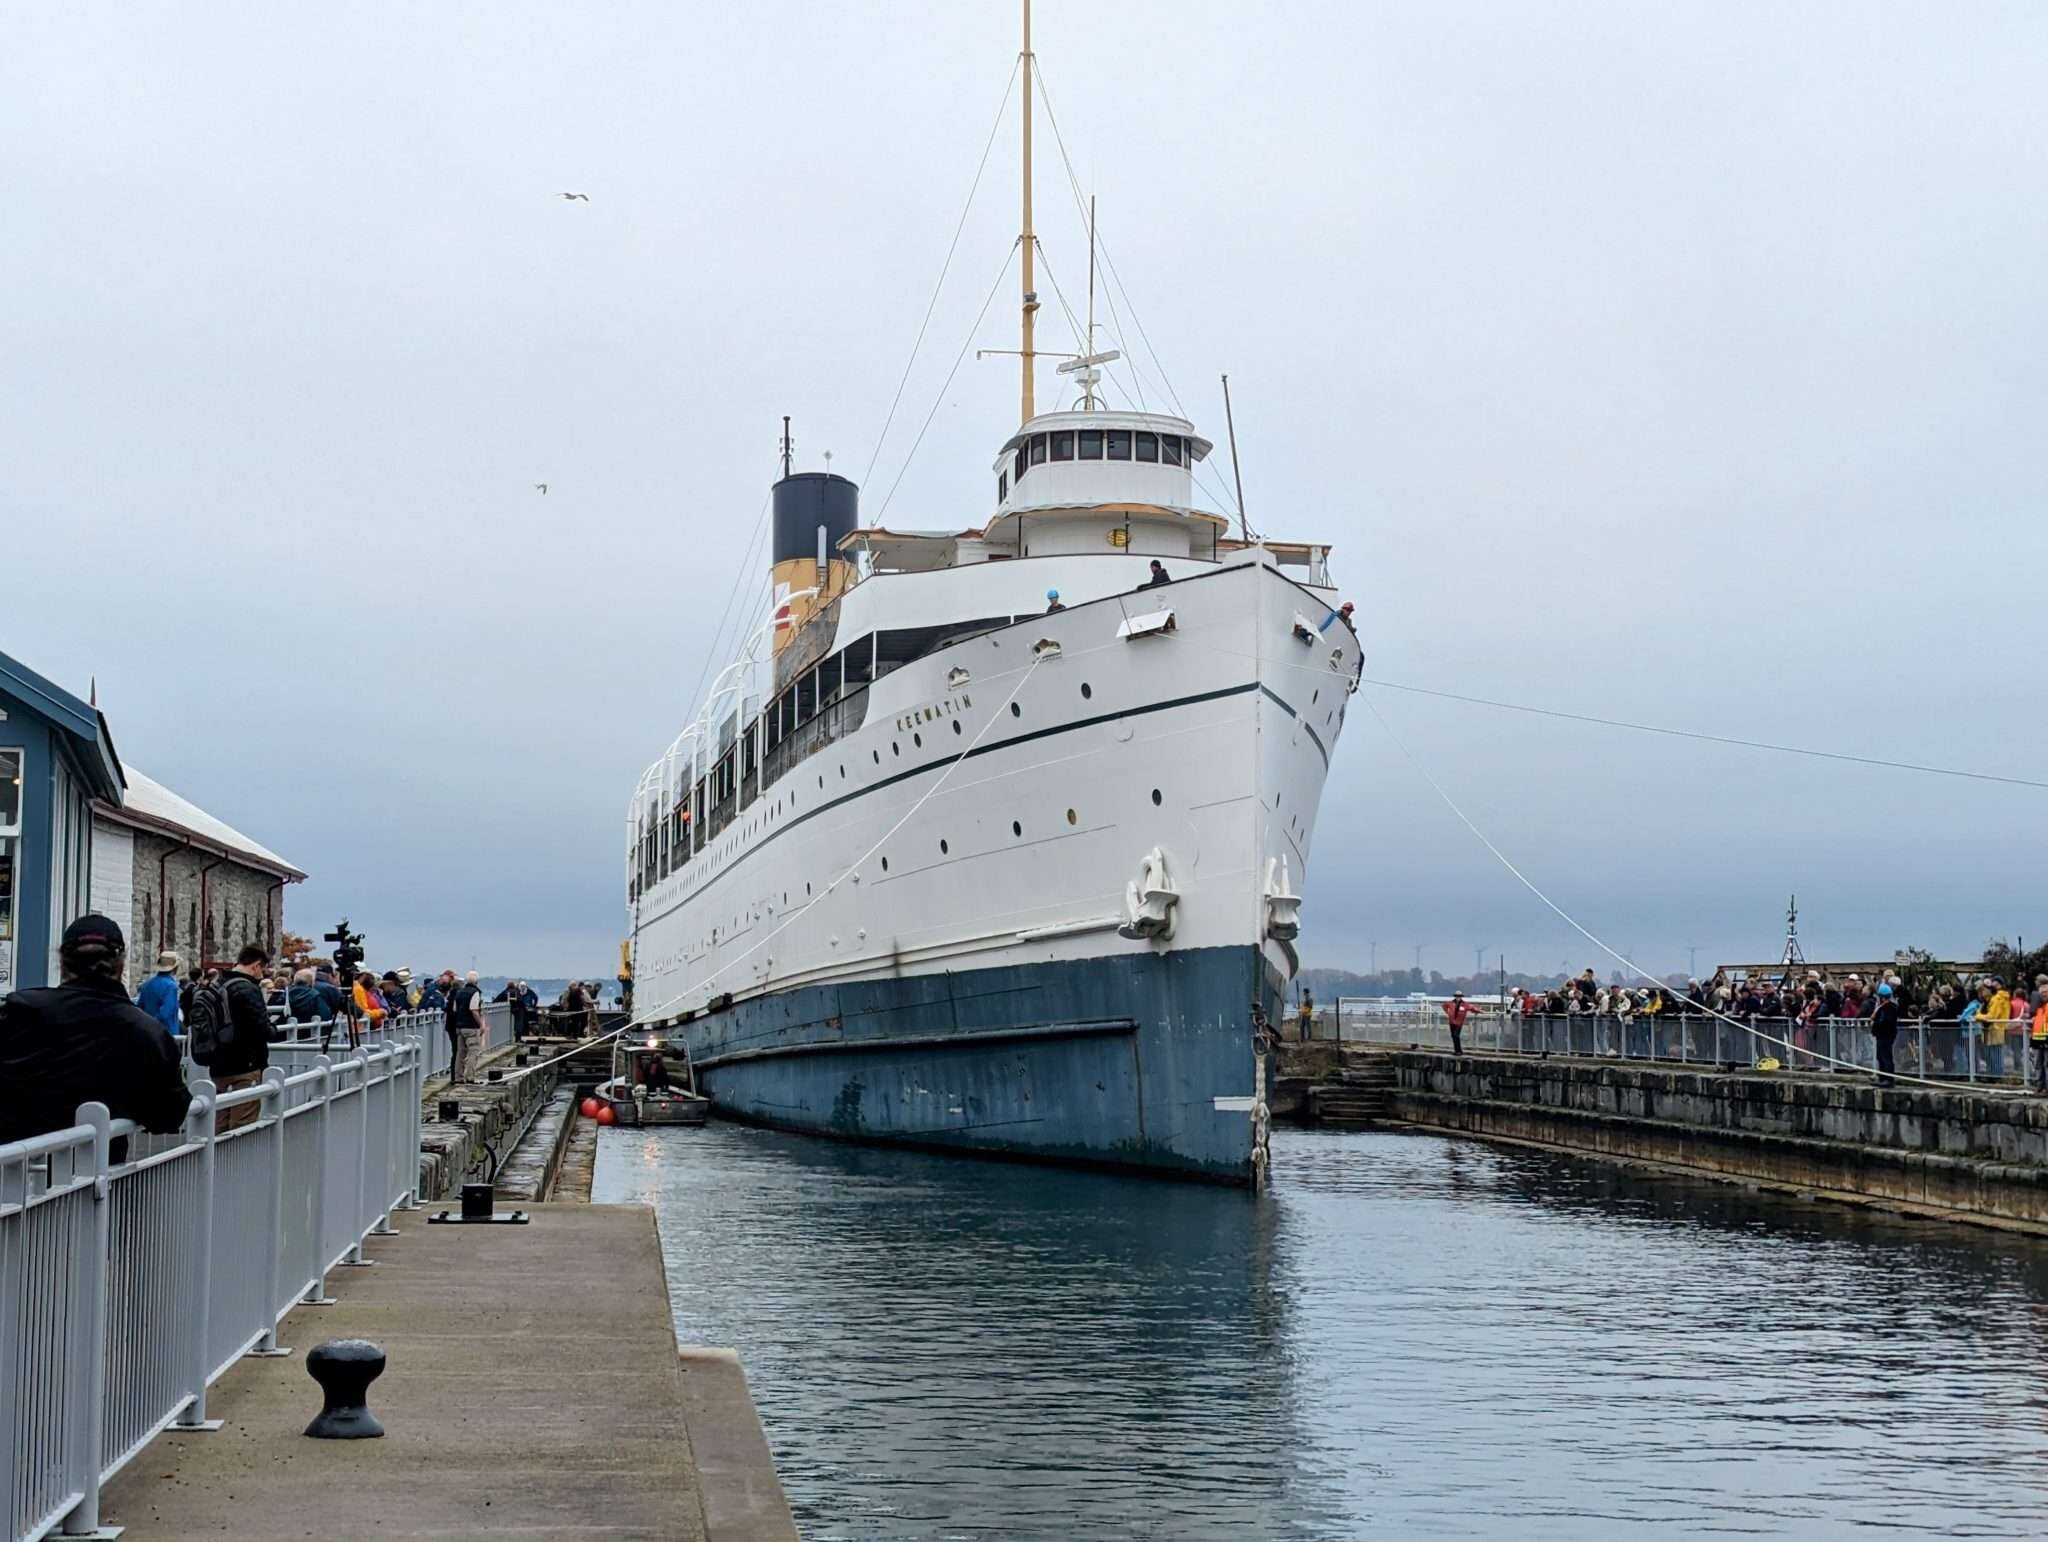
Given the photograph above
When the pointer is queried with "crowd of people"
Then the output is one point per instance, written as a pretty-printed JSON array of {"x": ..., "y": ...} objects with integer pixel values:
[
  {"x": 86, "y": 1040},
  {"x": 1975, "y": 1021}
]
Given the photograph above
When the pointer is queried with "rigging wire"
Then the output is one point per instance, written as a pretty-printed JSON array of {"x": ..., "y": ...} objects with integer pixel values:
[
  {"x": 944, "y": 268},
  {"x": 718, "y": 637},
  {"x": 1688, "y": 733},
  {"x": 1627, "y": 963},
  {"x": 1108, "y": 263},
  {"x": 946, "y": 384}
]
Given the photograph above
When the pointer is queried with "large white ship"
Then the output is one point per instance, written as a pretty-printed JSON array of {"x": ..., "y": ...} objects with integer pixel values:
[{"x": 945, "y": 862}]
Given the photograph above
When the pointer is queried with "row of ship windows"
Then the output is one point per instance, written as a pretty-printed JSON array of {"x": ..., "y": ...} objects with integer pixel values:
[
  {"x": 728, "y": 845},
  {"x": 1091, "y": 444},
  {"x": 945, "y": 849}
]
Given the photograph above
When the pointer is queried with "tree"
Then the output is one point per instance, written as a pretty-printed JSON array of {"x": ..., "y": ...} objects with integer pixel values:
[
  {"x": 295, "y": 951},
  {"x": 1920, "y": 972},
  {"x": 2009, "y": 966}
]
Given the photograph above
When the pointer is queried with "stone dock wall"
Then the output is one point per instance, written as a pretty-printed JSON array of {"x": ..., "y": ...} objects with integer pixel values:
[{"x": 1970, "y": 1155}]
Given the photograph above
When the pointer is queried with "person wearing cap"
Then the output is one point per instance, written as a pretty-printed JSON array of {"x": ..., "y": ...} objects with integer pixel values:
[
  {"x": 1457, "y": 1012},
  {"x": 159, "y": 994},
  {"x": 1052, "y": 601},
  {"x": 1884, "y": 1031},
  {"x": 84, "y": 1041}
]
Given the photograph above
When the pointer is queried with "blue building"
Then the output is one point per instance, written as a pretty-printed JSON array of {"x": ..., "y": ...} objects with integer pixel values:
[{"x": 56, "y": 757}]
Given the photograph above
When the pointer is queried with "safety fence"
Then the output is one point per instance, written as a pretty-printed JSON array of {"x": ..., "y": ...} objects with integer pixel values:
[
  {"x": 1935, "y": 1048},
  {"x": 127, "y": 1287}
]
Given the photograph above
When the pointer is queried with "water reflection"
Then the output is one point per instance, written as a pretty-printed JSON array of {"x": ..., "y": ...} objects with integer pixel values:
[{"x": 1410, "y": 1336}]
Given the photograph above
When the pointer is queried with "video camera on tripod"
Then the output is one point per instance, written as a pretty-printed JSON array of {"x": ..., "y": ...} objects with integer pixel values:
[{"x": 348, "y": 951}]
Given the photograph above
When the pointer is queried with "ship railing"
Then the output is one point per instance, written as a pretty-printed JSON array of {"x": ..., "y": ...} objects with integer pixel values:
[
  {"x": 1939, "y": 1048},
  {"x": 129, "y": 1288},
  {"x": 831, "y": 723}
]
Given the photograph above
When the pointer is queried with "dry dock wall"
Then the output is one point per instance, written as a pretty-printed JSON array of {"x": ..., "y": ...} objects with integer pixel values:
[{"x": 1971, "y": 1155}]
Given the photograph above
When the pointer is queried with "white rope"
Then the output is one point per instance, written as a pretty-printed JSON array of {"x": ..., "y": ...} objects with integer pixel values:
[
  {"x": 1629, "y": 964},
  {"x": 643, "y": 1019}
]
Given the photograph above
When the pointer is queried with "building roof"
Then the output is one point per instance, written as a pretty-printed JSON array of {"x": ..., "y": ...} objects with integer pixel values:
[
  {"x": 152, "y": 806},
  {"x": 91, "y": 741}
]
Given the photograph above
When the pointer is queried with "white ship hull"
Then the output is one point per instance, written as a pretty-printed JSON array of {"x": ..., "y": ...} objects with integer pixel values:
[{"x": 985, "y": 826}]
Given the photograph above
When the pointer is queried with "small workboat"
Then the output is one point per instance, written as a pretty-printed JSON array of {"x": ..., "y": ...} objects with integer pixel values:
[{"x": 652, "y": 1082}]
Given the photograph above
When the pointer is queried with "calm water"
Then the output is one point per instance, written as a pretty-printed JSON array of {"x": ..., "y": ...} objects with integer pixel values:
[{"x": 1407, "y": 1337}]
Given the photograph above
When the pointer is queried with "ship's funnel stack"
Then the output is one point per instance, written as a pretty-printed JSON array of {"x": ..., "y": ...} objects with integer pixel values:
[{"x": 814, "y": 511}]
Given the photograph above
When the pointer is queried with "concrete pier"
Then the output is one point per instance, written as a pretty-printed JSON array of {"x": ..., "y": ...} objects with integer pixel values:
[{"x": 519, "y": 1399}]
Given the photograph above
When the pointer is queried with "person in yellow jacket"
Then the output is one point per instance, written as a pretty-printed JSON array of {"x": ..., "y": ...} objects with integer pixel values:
[
  {"x": 1997, "y": 1012},
  {"x": 2040, "y": 1038},
  {"x": 369, "y": 1002}
]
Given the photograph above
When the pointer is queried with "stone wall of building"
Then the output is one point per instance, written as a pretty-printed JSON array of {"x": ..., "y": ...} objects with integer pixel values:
[{"x": 214, "y": 906}]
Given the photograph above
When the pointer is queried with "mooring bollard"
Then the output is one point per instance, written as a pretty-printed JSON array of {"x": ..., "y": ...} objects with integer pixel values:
[
  {"x": 450, "y": 1110},
  {"x": 345, "y": 1368}
]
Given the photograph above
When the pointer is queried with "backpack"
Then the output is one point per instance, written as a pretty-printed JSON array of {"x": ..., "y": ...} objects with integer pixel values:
[{"x": 208, "y": 1022}]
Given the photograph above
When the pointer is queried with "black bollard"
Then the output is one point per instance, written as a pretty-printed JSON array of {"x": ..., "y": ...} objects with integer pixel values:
[
  {"x": 494, "y": 1076},
  {"x": 450, "y": 1110},
  {"x": 345, "y": 1368}
]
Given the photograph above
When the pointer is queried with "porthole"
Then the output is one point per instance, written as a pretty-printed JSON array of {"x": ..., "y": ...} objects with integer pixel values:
[
  {"x": 956, "y": 725},
  {"x": 943, "y": 848},
  {"x": 1087, "y": 690},
  {"x": 1015, "y": 710},
  {"x": 1315, "y": 696},
  {"x": 885, "y": 864},
  {"x": 1071, "y": 818},
  {"x": 895, "y": 748},
  {"x": 1276, "y": 800},
  {"x": 842, "y": 773},
  {"x": 878, "y": 756},
  {"x": 821, "y": 781},
  {"x": 1016, "y": 828},
  {"x": 1155, "y": 797},
  {"x": 807, "y": 889},
  {"x": 918, "y": 740}
]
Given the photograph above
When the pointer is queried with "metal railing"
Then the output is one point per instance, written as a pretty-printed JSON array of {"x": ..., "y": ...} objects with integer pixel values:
[
  {"x": 425, "y": 1027},
  {"x": 1939, "y": 1048},
  {"x": 127, "y": 1289}
]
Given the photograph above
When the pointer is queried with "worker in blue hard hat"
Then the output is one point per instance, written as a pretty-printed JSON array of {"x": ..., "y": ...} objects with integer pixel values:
[{"x": 1052, "y": 601}]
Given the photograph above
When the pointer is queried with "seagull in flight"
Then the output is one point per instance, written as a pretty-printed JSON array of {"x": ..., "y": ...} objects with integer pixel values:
[
  {"x": 540, "y": 487},
  {"x": 574, "y": 197}
]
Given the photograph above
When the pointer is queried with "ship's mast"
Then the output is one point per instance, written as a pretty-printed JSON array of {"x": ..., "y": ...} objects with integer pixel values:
[{"x": 1027, "y": 240}]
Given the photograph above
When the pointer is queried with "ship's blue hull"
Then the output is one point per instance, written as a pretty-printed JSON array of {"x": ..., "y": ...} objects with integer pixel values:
[{"x": 1118, "y": 1062}]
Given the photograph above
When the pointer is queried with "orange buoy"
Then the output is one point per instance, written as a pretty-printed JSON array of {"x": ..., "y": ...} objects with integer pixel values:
[
  {"x": 590, "y": 1108},
  {"x": 605, "y": 1114}
]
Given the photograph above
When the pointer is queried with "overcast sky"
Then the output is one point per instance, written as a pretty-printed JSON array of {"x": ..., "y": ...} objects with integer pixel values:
[{"x": 1681, "y": 363}]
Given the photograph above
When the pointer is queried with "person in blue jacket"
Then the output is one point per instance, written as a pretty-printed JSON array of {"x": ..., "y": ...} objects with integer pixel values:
[{"x": 159, "y": 994}]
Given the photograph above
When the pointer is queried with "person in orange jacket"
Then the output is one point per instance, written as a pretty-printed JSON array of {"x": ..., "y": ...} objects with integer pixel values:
[{"x": 2040, "y": 1044}]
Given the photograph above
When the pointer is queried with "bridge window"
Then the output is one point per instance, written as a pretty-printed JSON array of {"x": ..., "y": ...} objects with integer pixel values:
[
  {"x": 1148, "y": 446},
  {"x": 1091, "y": 444},
  {"x": 1169, "y": 449},
  {"x": 1063, "y": 444},
  {"x": 1002, "y": 486},
  {"x": 1038, "y": 449},
  {"x": 1119, "y": 443},
  {"x": 1017, "y": 469}
]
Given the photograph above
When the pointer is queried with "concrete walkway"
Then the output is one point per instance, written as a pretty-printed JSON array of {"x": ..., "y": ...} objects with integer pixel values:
[{"x": 533, "y": 1390}]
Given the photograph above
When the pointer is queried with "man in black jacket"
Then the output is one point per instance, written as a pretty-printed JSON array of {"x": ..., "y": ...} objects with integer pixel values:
[
  {"x": 84, "y": 1041},
  {"x": 242, "y": 1060},
  {"x": 1884, "y": 1032}
]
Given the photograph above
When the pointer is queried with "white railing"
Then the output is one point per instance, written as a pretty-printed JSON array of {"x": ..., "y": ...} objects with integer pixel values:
[
  {"x": 427, "y": 1027},
  {"x": 127, "y": 1289}
]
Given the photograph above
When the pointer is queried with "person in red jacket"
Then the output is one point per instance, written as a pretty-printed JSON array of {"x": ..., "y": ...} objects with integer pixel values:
[{"x": 1457, "y": 1011}]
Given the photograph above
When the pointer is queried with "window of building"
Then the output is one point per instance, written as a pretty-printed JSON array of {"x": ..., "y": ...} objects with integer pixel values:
[
  {"x": 1038, "y": 449},
  {"x": 1002, "y": 486},
  {"x": 10, "y": 839},
  {"x": 1063, "y": 444},
  {"x": 1148, "y": 446},
  {"x": 1169, "y": 449},
  {"x": 1119, "y": 443},
  {"x": 1017, "y": 469},
  {"x": 1091, "y": 444}
]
